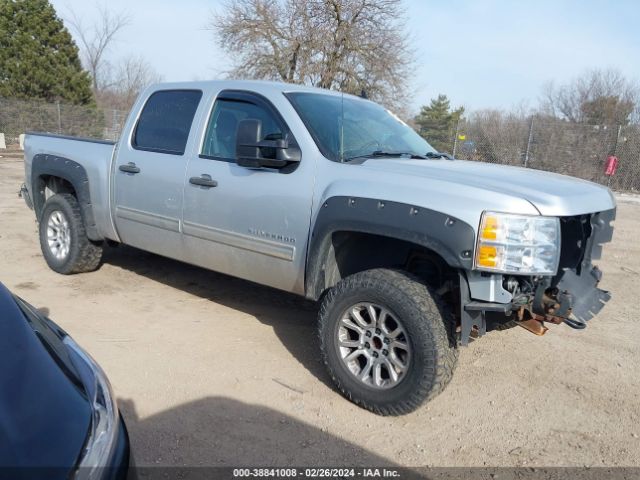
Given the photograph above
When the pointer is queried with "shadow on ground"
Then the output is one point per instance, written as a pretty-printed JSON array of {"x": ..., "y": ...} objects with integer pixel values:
[
  {"x": 222, "y": 432},
  {"x": 292, "y": 318}
]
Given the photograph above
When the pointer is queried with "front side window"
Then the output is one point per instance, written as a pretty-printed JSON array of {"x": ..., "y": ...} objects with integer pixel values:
[
  {"x": 165, "y": 121},
  {"x": 348, "y": 127},
  {"x": 220, "y": 137}
]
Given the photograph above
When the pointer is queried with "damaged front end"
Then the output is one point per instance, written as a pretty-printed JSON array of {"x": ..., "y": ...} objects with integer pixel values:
[{"x": 571, "y": 296}]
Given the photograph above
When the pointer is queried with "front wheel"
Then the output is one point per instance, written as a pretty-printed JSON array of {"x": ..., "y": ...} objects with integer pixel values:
[{"x": 387, "y": 341}]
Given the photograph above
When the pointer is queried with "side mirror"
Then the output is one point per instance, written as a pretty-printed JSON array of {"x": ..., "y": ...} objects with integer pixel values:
[{"x": 249, "y": 147}]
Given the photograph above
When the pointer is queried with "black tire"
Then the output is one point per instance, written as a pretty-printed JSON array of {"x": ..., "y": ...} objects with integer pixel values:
[
  {"x": 83, "y": 255},
  {"x": 430, "y": 331}
]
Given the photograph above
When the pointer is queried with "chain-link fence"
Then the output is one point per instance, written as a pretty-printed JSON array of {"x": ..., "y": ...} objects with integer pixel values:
[
  {"x": 553, "y": 145},
  {"x": 20, "y": 116},
  {"x": 541, "y": 143}
]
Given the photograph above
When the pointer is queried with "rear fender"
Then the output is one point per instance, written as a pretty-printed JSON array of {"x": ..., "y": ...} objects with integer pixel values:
[{"x": 44, "y": 166}]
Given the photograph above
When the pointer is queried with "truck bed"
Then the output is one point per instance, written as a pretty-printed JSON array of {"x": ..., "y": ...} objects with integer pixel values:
[{"x": 92, "y": 154}]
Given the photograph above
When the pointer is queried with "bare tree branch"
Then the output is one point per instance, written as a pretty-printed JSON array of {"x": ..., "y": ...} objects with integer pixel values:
[
  {"x": 597, "y": 97},
  {"x": 133, "y": 74},
  {"x": 95, "y": 40},
  {"x": 350, "y": 45}
]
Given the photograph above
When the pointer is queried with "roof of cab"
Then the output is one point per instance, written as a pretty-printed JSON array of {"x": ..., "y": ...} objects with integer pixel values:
[{"x": 259, "y": 86}]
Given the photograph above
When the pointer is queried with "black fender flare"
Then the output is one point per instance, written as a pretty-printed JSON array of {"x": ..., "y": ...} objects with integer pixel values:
[
  {"x": 449, "y": 237},
  {"x": 44, "y": 165}
]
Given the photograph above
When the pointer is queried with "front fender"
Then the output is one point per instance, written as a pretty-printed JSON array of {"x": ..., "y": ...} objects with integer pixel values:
[{"x": 448, "y": 236}]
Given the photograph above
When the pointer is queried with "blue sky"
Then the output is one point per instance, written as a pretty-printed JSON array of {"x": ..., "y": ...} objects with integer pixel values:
[{"x": 481, "y": 53}]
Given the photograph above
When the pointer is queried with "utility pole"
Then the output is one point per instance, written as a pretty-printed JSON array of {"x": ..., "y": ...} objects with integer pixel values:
[
  {"x": 59, "y": 117},
  {"x": 615, "y": 145},
  {"x": 615, "y": 151},
  {"x": 455, "y": 139},
  {"x": 526, "y": 154}
]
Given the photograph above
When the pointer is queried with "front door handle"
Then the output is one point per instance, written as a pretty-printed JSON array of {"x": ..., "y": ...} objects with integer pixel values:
[
  {"x": 203, "y": 180},
  {"x": 129, "y": 168}
]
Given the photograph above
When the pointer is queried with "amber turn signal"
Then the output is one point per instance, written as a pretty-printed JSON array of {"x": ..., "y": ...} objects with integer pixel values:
[{"x": 487, "y": 256}]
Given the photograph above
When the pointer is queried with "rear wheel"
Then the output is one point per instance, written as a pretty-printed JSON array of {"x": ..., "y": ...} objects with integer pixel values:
[
  {"x": 63, "y": 238},
  {"x": 387, "y": 341}
]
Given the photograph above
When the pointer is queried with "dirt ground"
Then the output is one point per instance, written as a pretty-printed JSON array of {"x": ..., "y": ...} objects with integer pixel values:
[{"x": 211, "y": 370}]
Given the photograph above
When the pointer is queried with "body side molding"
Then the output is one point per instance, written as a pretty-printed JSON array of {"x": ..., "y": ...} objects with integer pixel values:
[
  {"x": 245, "y": 242},
  {"x": 148, "y": 218}
]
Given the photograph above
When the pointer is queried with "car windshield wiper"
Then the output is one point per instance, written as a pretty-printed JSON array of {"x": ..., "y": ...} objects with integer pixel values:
[
  {"x": 383, "y": 153},
  {"x": 438, "y": 155}
]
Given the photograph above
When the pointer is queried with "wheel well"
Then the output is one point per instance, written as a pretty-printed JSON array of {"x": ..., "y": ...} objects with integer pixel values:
[
  {"x": 52, "y": 185},
  {"x": 352, "y": 252},
  {"x": 47, "y": 186}
]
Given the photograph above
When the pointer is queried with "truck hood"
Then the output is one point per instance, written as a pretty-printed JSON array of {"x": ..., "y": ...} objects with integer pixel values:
[{"x": 550, "y": 193}]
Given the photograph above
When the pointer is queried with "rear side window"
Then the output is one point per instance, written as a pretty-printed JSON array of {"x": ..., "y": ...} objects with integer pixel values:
[{"x": 165, "y": 121}]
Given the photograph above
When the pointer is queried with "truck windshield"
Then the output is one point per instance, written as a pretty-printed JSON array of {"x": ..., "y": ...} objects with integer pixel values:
[{"x": 345, "y": 128}]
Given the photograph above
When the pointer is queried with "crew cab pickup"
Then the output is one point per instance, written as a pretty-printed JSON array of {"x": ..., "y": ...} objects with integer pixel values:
[{"x": 409, "y": 253}]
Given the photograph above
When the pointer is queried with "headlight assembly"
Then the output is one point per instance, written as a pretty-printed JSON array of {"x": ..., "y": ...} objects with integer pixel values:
[
  {"x": 103, "y": 432},
  {"x": 520, "y": 244}
]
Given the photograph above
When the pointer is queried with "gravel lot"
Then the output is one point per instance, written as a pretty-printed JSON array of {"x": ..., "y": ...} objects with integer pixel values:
[{"x": 211, "y": 370}]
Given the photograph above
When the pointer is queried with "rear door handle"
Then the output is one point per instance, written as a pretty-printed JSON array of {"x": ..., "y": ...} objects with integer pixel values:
[
  {"x": 203, "y": 180},
  {"x": 129, "y": 168}
]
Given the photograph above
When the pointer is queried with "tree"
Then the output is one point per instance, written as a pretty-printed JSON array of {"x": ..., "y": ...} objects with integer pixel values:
[
  {"x": 598, "y": 97},
  {"x": 38, "y": 58},
  {"x": 496, "y": 136},
  {"x": 608, "y": 109},
  {"x": 354, "y": 46},
  {"x": 96, "y": 40},
  {"x": 437, "y": 122},
  {"x": 132, "y": 75},
  {"x": 116, "y": 84}
]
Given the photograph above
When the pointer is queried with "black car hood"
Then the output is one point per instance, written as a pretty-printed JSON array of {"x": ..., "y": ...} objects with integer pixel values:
[{"x": 44, "y": 415}]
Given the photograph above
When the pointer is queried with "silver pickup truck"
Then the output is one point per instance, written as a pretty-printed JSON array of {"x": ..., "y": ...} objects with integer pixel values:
[{"x": 408, "y": 252}]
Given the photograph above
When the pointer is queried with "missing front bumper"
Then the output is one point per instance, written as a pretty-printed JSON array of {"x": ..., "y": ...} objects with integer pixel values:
[
  {"x": 572, "y": 296},
  {"x": 572, "y": 299}
]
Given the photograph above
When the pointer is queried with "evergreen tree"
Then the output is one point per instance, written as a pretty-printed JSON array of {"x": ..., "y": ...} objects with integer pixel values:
[
  {"x": 38, "y": 58},
  {"x": 437, "y": 123}
]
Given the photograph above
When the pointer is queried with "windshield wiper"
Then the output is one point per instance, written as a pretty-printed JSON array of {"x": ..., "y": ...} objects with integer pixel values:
[
  {"x": 387, "y": 154},
  {"x": 383, "y": 153},
  {"x": 438, "y": 155}
]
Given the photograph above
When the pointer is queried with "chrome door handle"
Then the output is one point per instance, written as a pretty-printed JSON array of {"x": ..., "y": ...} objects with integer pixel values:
[
  {"x": 129, "y": 168},
  {"x": 203, "y": 181}
]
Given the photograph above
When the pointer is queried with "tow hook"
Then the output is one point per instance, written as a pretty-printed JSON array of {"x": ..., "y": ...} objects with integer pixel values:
[
  {"x": 535, "y": 323},
  {"x": 531, "y": 322},
  {"x": 534, "y": 326}
]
